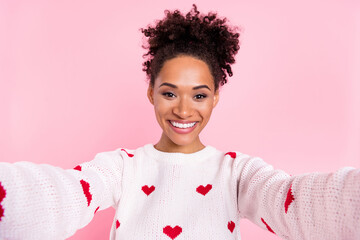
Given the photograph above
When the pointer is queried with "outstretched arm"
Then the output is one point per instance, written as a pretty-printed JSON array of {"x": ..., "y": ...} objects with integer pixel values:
[
  {"x": 308, "y": 206},
  {"x": 47, "y": 202}
]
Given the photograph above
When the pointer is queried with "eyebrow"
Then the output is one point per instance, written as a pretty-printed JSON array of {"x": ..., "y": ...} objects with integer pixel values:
[{"x": 174, "y": 86}]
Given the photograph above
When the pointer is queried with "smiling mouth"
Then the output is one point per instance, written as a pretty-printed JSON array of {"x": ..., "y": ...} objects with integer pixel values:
[{"x": 182, "y": 125}]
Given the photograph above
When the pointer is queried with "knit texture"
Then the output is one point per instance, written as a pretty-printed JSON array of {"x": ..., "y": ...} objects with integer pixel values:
[{"x": 165, "y": 196}]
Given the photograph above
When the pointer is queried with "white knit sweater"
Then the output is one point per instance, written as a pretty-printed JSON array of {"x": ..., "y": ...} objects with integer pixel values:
[{"x": 165, "y": 196}]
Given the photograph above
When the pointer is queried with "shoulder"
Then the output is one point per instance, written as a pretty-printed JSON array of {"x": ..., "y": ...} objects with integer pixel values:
[
  {"x": 242, "y": 160},
  {"x": 120, "y": 153},
  {"x": 237, "y": 156}
]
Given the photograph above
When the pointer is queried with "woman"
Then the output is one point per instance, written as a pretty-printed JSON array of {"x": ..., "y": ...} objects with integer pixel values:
[{"x": 179, "y": 188}]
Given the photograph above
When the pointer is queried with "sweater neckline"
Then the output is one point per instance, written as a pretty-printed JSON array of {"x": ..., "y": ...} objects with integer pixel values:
[{"x": 177, "y": 157}]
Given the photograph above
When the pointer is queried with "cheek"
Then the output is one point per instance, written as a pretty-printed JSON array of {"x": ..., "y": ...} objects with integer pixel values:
[
  {"x": 206, "y": 109},
  {"x": 161, "y": 108}
]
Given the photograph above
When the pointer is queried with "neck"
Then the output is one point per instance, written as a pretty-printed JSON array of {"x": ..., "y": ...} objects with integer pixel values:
[{"x": 166, "y": 145}]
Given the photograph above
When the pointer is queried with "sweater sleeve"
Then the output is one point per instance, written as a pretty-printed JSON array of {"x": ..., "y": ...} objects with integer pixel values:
[
  {"x": 40, "y": 201},
  {"x": 309, "y": 206}
]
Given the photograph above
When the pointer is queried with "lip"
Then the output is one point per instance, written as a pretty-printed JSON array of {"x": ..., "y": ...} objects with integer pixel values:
[
  {"x": 183, "y": 121},
  {"x": 183, "y": 130}
]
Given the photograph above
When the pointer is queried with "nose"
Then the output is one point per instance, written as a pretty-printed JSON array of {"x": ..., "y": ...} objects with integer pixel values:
[{"x": 183, "y": 109}]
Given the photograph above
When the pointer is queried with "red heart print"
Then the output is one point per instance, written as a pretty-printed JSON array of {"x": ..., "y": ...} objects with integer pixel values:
[
  {"x": 231, "y": 154},
  {"x": 96, "y": 209},
  {"x": 2, "y": 196},
  {"x": 78, "y": 167},
  {"x": 204, "y": 190},
  {"x": 231, "y": 226},
  {"x": 2, "y": 192},
  {"x": 267, "y": 226},
  {"x": 1, "y": 212},
  {"x": 172, "y": 232},
  {"x": 289, "y": 199},
  {"x": 86, "y": 188},
  {"x": 129, "y": 154},
  {"x": 148, "y": 190},
  {"x": 117, "y": 224}
]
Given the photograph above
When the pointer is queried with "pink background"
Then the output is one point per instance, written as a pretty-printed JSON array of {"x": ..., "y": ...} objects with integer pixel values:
[{"x": 72, "y": 85}]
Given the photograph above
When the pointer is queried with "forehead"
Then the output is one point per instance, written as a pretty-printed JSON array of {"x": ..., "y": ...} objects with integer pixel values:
[{"x": 185, "y": 71}]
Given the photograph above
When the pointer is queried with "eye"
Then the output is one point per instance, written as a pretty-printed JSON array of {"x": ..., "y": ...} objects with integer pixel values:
[
  {"x": 168, "y": 94},
  {"x": 200, "y": 96}
]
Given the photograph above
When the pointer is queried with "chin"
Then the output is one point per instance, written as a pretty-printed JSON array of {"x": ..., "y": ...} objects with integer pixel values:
[
  {"x": 178, "y": 139},
  {"x": 182, "y": 142}
]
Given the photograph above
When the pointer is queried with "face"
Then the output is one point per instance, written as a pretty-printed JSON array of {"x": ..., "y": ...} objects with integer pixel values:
[{"x": 183, "y": 96}]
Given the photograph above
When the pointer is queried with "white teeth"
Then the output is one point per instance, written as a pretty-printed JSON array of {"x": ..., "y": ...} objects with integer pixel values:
[{"x": 180, "y": 125}]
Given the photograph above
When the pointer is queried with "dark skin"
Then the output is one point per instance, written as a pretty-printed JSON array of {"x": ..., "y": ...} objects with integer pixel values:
[{"x": 183, "y": 96}]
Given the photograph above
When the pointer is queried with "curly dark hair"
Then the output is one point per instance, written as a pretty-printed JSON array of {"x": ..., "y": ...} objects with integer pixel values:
[{"x": 205, "y": 37}]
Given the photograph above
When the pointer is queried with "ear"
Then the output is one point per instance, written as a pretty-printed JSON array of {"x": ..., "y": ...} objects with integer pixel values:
[
  {"x": 150, "y": 94},
  {"x": 216, "y": 98}
]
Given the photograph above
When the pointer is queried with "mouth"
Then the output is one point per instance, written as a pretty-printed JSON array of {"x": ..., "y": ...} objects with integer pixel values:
[
  {"x": 182, "y": 125},
  {"x": 182, "y": 128}
]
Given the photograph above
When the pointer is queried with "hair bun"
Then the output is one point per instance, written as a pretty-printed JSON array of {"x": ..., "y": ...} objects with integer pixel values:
[{"x": 204, "y": 36}]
